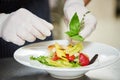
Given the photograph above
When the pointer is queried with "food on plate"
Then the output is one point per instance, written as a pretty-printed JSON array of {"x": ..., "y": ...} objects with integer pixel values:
[{"x": 64, "y": 56}]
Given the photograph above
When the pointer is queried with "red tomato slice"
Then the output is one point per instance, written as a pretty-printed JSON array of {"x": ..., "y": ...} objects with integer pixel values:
[
  {"x": 83, "y": 59},
  {"x": 55, "y": 57},
  {"x": 70, "y": 58}
]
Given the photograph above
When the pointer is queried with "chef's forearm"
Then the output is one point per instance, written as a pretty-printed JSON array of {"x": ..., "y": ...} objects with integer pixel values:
[{"x": 85, "y": 2}]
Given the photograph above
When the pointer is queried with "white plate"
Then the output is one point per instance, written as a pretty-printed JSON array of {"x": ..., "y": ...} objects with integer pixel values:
[{"x": 107, "y": 56}]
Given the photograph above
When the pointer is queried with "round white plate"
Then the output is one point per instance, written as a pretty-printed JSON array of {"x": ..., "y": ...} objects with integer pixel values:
[{"x": 107, "y": 55}]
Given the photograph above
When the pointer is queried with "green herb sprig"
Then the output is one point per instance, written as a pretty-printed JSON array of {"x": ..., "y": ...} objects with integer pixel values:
[{"x": 75, "y": 27}]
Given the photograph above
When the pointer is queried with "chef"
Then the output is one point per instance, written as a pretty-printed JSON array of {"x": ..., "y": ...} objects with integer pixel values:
[{"x": 27, "y": 21}]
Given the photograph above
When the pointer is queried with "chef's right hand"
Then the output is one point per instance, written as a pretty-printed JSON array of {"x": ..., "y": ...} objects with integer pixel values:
[{"x": 22, "y": 25}]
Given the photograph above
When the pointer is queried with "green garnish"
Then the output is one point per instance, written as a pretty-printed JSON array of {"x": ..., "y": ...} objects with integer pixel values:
[
  {"x": 59, "y": 63},
  {"x": 75, "y": 27},
  {"x": 41, "y": 59}
]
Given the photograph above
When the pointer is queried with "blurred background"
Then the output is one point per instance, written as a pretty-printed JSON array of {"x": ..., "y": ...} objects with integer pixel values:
[{"x": 107, "y": 13}]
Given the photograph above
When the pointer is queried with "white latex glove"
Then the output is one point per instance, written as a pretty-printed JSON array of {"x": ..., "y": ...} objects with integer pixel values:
[
  {"x": 22, "y": 25},
  {"x": 72, "y": 6}
]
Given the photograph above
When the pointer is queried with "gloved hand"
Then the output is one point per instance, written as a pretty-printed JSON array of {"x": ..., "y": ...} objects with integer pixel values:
[
  {"x": 72, "y": 6},
  {"x": 22, "y": 25}
]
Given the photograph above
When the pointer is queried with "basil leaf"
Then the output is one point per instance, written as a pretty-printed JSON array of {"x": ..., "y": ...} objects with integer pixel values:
[
  {"x": 77, "y": 37},
  {"x": 75, "y": 23},
  {"x": 71, "y": 33}
]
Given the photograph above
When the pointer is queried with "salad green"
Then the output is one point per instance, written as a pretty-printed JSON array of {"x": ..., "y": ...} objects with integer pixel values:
[{"x": 58, "y": 63}]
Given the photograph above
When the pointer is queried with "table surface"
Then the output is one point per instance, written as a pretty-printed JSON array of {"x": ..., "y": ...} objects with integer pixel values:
[{"x": 12, "y": 70}]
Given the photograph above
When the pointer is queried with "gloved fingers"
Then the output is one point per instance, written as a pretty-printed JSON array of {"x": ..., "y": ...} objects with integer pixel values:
[
  {"x": 72, "y": 41},
  {"x": 86, "y": 31},
  {"x": 38, "y": 20},
  {"x": 26, "y": 35},
  {"x": 14, "y": 39},
  {"x": 71, "y": 10},
  {"x": 17, "y": 40},
  {"x": 47, "y": 24},
  {"x": 41, "y": 28},
  {"x": 37, "y": 34},
  {"x": 89, "y": 25}
]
